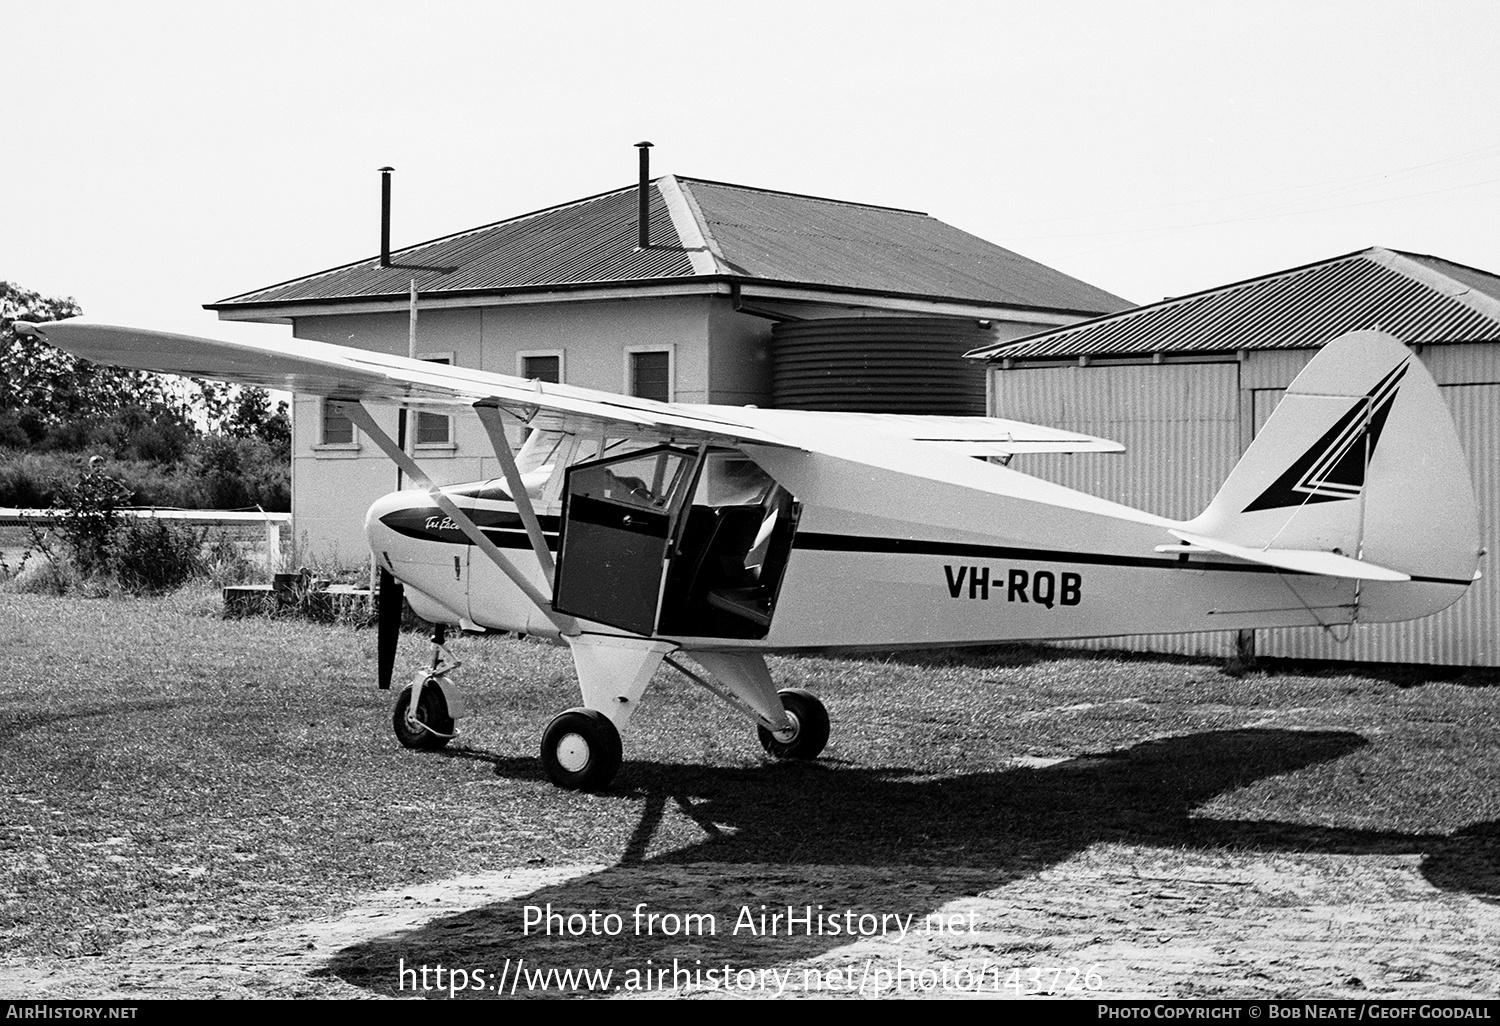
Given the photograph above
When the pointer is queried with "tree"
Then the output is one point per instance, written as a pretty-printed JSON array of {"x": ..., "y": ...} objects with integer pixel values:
[
  {"x": 56, "y": 409},
  {"x": 45, "y": 392},
  {"x": 244, "y": 411}
]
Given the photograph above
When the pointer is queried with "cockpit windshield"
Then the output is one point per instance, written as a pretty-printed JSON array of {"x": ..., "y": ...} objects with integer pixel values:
[
  {"x": 731, "y": 479},
  {"x": 537, "y": 461},
  {"x": 541, "y": 458}
]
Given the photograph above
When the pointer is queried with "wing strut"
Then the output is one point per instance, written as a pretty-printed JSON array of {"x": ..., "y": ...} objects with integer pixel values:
[
  {"x": 356, "y": 412},
  {"x": 489, "y": 416}
]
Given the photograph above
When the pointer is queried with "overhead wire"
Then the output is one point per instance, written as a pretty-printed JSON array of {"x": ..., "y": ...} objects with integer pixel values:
[{"x": 1291, "y": 205}]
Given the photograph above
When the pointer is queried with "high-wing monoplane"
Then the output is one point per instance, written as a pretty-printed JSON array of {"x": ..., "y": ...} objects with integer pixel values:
[{"x": 636, "y": 532}]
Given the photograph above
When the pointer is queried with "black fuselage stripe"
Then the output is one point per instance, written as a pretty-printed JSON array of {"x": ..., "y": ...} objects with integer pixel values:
[
  {"x": 815, "y": 542},
  {"x": 917, "y": 546},
  {"x": 922, "y": 547},
  {"x": 504, "y": 538}
]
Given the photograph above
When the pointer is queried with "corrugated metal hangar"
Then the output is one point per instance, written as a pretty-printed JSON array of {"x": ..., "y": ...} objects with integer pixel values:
[
  {"x": 1185, "y": 383},
  {"x": 675, "y": 288}
]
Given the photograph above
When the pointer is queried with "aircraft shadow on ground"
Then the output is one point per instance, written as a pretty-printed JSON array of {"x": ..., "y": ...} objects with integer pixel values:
[
  {"x": 13, "y": 724},
  {"x": 883, "y": 841},
  {"x": 1021, "y": 654}
]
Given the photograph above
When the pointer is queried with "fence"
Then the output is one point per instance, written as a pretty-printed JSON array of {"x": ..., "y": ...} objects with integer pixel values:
[{"x": 241, "y": 520}]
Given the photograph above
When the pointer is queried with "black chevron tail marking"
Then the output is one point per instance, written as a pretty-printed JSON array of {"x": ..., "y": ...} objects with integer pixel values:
[{"x": 1334, "y": 467}]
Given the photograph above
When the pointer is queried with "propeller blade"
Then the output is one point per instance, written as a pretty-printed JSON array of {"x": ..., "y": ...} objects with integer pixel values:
[{"x": 388, "y": 626}]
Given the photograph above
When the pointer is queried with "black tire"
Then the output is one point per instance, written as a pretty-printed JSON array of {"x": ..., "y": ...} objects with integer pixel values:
[
  {"x": 809, "y": 718},
  {"x": 581, "y": 750},
  {"x": 432, "y": 709}
]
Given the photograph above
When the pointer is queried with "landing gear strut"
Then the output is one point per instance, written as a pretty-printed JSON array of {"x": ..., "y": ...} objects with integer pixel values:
[
  {"x": 422, "y": 718},
  {"x": 581, "y": 747}
]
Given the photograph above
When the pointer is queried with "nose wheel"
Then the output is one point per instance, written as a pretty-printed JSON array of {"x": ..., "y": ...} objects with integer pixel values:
[
  {"x": 427, "y": 722},
  {"x": 581, "y": 750},
  {"x": 429, "y": 725},
  {"x": 808, "y": 732}
]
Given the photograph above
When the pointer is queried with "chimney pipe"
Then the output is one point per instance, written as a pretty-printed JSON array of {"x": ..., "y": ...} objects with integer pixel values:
[
  {"x": 643, "y": 208},
  {"x": 385, "y": 216}
]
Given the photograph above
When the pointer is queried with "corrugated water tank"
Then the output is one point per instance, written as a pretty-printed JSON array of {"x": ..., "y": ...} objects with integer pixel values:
[{"x": 879, "y": 365}]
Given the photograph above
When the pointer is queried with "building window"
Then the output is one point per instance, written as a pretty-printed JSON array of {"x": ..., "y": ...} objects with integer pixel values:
[
  {"x": 651, "y": 374},
  {"x": 337, "y": 429},
  {"x": 435, "y": 428},
  {"x": 541, "y": 365}
]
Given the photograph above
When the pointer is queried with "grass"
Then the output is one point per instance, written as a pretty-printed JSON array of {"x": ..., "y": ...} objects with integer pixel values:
[{"x": 167, "y": 771}]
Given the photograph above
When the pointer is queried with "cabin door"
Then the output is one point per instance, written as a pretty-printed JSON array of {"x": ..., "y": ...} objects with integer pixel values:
[{"x": 619, "y": 518}]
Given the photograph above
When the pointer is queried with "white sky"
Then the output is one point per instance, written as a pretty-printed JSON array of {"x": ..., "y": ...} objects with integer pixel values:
[{"x": 160, "y": 155}]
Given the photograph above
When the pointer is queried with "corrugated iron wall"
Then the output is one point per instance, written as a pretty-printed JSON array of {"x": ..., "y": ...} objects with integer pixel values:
[
  {"x": 878, "y": 365},
  {"x": 1179, "y": 424}
]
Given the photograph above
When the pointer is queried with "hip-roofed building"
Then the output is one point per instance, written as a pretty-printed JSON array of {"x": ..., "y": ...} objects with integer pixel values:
[{"x": 695, "y": 314}]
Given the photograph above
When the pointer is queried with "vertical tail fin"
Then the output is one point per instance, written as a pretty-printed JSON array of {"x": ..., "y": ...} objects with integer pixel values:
[{"x": 1359, "y": 459}]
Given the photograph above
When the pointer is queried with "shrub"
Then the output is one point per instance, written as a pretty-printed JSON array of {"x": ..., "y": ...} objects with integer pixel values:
[
  {"x": 150, "y": 556},
  {"x": 164, "y": 440},
  {"x": 91, "y": 515},
  {"x": 47, "y": 574},
  {"x": 99, "y": 547},
  {"x": 226, "y": 564},
  {"x": 31, "y": 480},
  {"x": 235, "y": 473},
  {"x": 240, "y": 473}
]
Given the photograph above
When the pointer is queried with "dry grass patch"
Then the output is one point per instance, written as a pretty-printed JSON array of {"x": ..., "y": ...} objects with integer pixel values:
[{"x": 170, "y": 774}]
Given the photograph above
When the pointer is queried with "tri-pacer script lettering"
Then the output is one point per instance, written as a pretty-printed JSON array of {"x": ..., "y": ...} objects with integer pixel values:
[{"x": 1044, "y": 587}]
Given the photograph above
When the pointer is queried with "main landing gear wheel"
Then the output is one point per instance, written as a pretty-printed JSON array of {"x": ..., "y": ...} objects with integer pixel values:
[
  {"x": 581, "y": 750},
  {"x": 432, "y": 710},
  {"x": 809, "y": 731}
]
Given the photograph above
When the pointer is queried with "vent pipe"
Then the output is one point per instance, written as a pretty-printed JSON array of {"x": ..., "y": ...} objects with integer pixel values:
[
  {"x": 385, "y": 216},
  {"x": 643, "y": 203}
]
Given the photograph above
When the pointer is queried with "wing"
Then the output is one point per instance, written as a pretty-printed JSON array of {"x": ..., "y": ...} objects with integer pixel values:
[{"x": 341, "y": 372}]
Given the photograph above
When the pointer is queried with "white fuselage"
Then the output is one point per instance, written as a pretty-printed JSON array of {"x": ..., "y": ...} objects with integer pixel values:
[{"x": 969, "y": 553}]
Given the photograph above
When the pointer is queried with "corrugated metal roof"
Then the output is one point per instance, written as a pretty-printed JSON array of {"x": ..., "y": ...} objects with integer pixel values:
[
  {"x": 779, "y": 236},
  {"x": 754, "y": 234},
  {"x": 1417, "y": 298},
  {"x": 591, "y": 240}
]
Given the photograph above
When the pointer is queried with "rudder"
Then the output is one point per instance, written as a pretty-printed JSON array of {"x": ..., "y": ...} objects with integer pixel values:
[{"x": 1360, "y": 458}]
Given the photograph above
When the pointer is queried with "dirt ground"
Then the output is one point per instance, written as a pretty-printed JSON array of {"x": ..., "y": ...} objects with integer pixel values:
[
  {"x": 1114, "y": 921},
  {"x": 177, "y": 822}
]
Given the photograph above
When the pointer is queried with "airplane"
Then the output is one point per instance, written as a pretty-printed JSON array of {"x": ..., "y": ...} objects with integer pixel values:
[{"x": 638, "y": 532}]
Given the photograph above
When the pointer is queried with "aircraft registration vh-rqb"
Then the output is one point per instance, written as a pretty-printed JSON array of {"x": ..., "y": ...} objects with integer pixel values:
[{"x": 636, "y": 531}]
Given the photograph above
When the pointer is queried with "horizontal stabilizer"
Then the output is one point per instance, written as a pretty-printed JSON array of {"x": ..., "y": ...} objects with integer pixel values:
[
  {"x": 1307, "y": 561},
  {"x": 971, "y": 436}
]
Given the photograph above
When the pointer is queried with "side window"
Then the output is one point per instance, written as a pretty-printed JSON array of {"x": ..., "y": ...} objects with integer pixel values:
[
  {"x": 649, "y": 374},
  {"x": 648, "y": 480},
  {"x": 435, "y": 428},
  {"x": 336, "y": 429}
]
